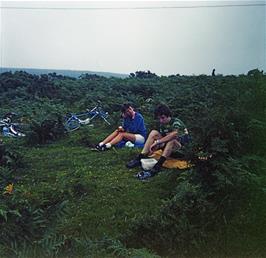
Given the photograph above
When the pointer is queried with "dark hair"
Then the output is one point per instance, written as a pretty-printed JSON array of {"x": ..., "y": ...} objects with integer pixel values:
[
  {"x": 162, "y": 110},
  {"x": 124, "y": 107}
]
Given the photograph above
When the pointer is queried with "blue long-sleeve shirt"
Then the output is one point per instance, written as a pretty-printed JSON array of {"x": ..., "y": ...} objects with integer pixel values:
[{"x": 136, "y": 125}]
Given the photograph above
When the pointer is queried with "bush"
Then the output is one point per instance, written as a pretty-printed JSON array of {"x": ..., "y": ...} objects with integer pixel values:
[{"x": 47, "y": 131}]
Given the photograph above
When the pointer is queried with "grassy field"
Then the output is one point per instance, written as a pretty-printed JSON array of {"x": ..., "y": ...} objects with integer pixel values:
[
  {"x": 71, "y": 201},
  {"x": 103, "y": 194},
  {"x": 99, "y": 196}
]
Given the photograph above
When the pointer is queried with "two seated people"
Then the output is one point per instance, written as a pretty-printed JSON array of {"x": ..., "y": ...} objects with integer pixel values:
[{"x": 170, "y": 136}]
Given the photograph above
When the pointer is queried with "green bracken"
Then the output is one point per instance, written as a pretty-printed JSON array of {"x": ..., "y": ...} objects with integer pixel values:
[{"x": 71, "y": 201}]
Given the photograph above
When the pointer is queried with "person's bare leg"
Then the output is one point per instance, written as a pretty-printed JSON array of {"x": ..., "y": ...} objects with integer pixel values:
[
  {"x": 154, "y": 135},
  {"x": 110, "y": 137},
  {"x": 170, "y": 147},
  {"x": 123, "y": 136}
]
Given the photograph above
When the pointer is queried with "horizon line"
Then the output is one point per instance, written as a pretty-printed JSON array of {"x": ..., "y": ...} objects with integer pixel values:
[{"x": 120, "y": 73}]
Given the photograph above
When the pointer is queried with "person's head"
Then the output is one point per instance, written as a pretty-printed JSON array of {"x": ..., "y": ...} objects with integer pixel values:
[
  {"x": 163, "y": 114},
  {"x": 127, "y": 110}
]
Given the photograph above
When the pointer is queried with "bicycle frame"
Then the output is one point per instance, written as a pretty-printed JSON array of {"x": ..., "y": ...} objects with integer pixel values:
[
  {"x": 8, "y": 129},
  {"x": 97, "y": 111},
  {"x": 73, "y": 122}
]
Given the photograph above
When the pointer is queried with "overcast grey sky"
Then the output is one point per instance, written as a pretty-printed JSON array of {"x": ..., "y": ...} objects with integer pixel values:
[{"x": 165, "y": 41}]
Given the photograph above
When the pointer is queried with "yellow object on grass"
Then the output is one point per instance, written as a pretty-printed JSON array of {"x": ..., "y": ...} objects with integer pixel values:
[
  {"x": 9, "y": 189},
  {"x": 171, "y": 163}
]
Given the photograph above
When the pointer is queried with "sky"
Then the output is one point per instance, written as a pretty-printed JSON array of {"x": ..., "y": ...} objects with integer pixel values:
[{"x": 124, "y": 37}]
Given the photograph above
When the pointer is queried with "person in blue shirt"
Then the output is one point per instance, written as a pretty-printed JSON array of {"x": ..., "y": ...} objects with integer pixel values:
[{"x": 133, "y": 129}]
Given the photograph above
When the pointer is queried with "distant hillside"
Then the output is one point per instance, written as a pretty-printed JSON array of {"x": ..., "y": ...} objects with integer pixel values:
[{"x": 71, "y": 73}]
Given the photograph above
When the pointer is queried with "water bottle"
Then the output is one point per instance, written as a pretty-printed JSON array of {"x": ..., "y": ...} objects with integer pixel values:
[
  {"x": 5, "y": 131},
  {"x": 129, "y": 144}
]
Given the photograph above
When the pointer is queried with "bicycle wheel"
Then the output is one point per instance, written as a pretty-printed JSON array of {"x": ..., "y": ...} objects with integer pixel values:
[{"x": 72, "y": 125}]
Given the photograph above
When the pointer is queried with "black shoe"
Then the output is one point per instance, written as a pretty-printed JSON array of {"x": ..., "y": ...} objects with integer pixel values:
[
  {"x": 155, "y": 170},
  {"x": 101, "y": 148},
  {"x": 143, "y": 175},
  {"x": 133, "y": 163}
]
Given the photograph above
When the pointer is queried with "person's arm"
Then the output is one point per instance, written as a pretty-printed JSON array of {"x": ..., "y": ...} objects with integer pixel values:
[
  {"x": 171, "y": 136},
  {"x": 120, "y": 129},
  {"x": 140, "y": 126},
  {"x": 124, "y": 125}
]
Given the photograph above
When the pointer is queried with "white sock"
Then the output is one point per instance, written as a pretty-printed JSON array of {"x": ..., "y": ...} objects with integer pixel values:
[
  {"x": 101, "y": 144},
  {"x": 108, "y": 145}
]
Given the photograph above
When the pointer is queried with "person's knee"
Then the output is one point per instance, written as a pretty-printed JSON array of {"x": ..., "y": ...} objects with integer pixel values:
[
  {"x": 127, "y": 136},
  {"x": 122, "y": 134},
  {"x": 173, "y": 144},
  {"x": 154, "y": 133}
]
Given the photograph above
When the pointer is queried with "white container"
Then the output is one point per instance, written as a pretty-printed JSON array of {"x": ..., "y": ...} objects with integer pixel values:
[
  {"x": 148, "y": 164},
  {"x": 129, "y": 144}
]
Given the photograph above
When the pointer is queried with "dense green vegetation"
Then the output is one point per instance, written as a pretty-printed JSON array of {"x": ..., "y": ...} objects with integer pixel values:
[{"x": 70, "y": 201}]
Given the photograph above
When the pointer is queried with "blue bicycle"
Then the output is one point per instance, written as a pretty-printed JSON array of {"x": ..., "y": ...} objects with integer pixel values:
[
  {"x": 74, "y": 121},
  {"x": 9, "y": 128}
]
